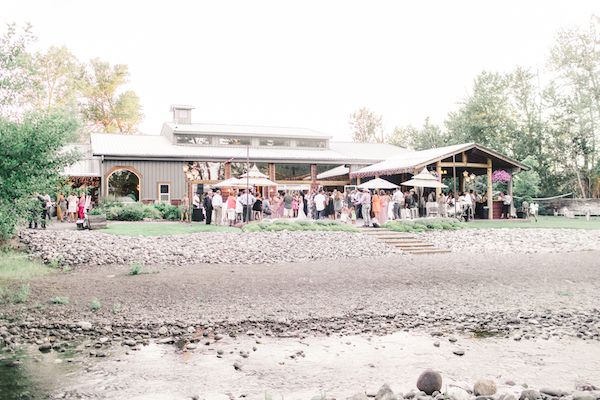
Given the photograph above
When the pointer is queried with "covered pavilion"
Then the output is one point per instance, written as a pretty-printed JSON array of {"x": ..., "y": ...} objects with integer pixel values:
[{"x": 459, "y": 161}]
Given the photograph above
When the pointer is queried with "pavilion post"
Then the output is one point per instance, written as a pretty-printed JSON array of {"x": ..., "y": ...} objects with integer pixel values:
[
  {"x": 490, "y": 190},
  {"x": 227, "y": 170},
  {"x": 313, "y": 176},
  {"x": 510, "y": 193},
  {"x": 438, "y": 171},
  {"x": 454, "y": 182}
]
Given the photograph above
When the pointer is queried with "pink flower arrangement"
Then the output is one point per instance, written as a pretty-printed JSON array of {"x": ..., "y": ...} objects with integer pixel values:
[{"x": 501, "y": 176}]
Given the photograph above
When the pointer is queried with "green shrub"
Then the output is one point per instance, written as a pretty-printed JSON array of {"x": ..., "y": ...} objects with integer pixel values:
[
  {"x": 59, "y": 300},
  {"x": 168, "y": 211},
  {"x": 135, "y": 268},
  {"x": 95, "y": 305}
]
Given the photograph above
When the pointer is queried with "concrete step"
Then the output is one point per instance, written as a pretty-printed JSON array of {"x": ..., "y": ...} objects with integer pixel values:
[
  {"x": 428, "y": 251},
  {"x": 413, "y": 245}
]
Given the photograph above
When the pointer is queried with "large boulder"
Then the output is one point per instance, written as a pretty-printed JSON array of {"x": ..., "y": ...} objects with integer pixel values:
[
  {"x": 429, "y": 381},
  {"x": 484, "y": 387}
]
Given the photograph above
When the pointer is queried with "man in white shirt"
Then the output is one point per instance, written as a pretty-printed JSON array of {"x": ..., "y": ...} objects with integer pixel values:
[
  {"x": 319, "y": 201},
  {"x": 217, "y": 202},
  {"x": 467, "y": 205},
  {"x": 398, "y": 199}
]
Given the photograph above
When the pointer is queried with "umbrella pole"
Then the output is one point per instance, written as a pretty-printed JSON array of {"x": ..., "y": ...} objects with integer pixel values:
[
  {"x": 454, "y": 181},
  {"x": 248, "y": 213}
]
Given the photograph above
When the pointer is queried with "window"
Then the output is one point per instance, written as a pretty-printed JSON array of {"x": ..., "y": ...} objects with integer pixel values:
[
  {"x": 317, "y": 143},
  {"x": 193, "y": 139},
  {"x": 164, "y": 193},
  {"x": 236, "y": 141},
  {"x": 272, "y": 142},
  {"x": 124, "y": 185}
]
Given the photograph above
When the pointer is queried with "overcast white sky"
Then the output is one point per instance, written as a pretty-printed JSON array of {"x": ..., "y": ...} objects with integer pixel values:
[{"x": 304, "y": 63}]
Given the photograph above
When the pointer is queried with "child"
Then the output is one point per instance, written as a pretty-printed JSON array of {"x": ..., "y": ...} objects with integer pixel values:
[
  {"x": 295, "y": 204},
  {"x": 353, "y": 215},
  {"x": 344, "y": 215}
]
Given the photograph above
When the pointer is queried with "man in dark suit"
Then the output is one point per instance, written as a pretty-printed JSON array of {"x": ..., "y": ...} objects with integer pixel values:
[{"x": 208, "y": 208}]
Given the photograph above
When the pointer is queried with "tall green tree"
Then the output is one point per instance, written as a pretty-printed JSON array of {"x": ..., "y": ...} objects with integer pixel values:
[
  {"x": 486, "y": 116},
  {"x": 575, "y": 60},
  {"x": 56, "y": 75},
  {"x": 16, "y": 69},
  {"x": 103, "y": 105},
  {"x": 31, "y": 161},
  {"x": 366, "y": 126},
  {"x": 427, "y": 137}
]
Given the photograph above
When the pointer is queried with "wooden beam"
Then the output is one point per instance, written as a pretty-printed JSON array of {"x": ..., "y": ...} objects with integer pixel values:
[
  {"x": 227, "y": 170},
  {"x": 510, "y": 192},
  {"x": 471, "y": 165},
  {"x": 313, "y": 176},
  {"x": 464, "y": 158},
  {"x": 490, "y": 200}
]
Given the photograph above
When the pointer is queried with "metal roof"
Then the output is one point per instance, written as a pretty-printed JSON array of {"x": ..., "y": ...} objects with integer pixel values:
[
  {"x": 244, "y": 130},
  {"x": 411, "y": 160},
  {"x": 87, "y": 165},
  {"x": 118, "y": 146}
]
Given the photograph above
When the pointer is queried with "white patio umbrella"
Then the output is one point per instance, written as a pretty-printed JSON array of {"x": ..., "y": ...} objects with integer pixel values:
[
  {"x": 254, "y": 173},
  {"x": 377, "y": 183},
  {"x": 424, "y": 179},
  {"x": 232, "y": 182}
]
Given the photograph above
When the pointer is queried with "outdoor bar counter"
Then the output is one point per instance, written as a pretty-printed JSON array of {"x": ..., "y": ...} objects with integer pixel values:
[{"x": 497, "y": 208}]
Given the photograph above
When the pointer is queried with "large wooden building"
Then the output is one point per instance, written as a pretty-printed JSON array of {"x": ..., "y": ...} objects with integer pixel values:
[{"x": 153, "y": 168}]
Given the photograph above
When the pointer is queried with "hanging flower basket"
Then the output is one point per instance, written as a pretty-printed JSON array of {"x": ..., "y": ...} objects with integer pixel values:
[{"x": 501, "y": 176}]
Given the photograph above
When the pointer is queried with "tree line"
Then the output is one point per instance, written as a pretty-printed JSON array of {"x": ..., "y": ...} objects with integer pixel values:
[
  {"x": 55, "y": 79},
  {"x": 47, "y": 100},
  {"x": 552, "y": 126}
]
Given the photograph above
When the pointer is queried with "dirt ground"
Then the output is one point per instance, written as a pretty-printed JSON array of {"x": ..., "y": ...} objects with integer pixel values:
[{"x": 435, "y": 287}]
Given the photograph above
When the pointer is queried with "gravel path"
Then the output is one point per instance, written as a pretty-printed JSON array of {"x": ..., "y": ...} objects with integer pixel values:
[
  {"x": 96, "y": 248},
  {"x": 515, "y": 241}
]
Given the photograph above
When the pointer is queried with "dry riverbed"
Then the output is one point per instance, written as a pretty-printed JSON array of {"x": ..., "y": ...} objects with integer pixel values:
[{"x": 338, "y": 326}]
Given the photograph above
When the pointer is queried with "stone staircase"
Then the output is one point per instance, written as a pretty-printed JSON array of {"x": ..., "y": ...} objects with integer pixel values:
[{"x": 406, "y": 242}]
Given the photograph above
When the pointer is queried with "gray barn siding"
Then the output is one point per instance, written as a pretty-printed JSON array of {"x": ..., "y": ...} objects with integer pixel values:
[{"x": 154, "y": 172}]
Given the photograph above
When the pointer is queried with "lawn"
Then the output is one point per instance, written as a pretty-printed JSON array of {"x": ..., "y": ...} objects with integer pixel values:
[
  {"x": 545, "y": 222},
  {"x": 162, "y": 228},
  {"x": 15, "y": 270}
]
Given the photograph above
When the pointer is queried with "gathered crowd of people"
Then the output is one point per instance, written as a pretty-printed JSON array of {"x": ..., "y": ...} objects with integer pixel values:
[
  {"x": 71, "y": 208},
  {"x": 373, "y": 207}
]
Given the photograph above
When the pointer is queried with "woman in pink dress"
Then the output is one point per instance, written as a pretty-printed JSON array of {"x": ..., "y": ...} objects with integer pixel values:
[{"x": 81, "y": 207}]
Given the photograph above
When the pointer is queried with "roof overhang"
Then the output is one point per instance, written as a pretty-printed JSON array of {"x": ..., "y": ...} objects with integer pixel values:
[{"x": 412, "y": 168}]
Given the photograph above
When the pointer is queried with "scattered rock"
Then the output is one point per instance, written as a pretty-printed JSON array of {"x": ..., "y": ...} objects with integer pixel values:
[
  {"x": 429, "y": 381},
  {"x": 459, "y": 352},
  {"x": 85, "y": 325},
  {"x": 456, "y": 393},
  {"x": 484, "y": 387},
  {"x": 553, "y": 392},
  {"x": 530, "y": 394},
  {"x": 385, "y": 393},
  {"x": 237, "y": 366}
]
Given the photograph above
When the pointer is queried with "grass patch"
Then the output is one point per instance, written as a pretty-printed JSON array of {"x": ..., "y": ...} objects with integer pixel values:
[
  {"x": 61, "y": 300},
  {"x": 116, "y": 308},
  {"x": 135, "y": 268},
  {"x": 423, "y": 225},
  {"x": 15, "y": 266},
  {"x": 95, "y": 305},
  {"x": 305, "y": 225},
  {"x": 9, "y": 295},
  {"x": 163, "y": 228},
  {"x": 15, "y": 270},
  {"x": 544, "y": 222}
]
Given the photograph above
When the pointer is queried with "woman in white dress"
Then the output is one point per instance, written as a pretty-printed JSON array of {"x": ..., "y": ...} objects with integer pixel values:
[
  {"x": 301, "y": 214},
  {"x": 72, "y": 207}
]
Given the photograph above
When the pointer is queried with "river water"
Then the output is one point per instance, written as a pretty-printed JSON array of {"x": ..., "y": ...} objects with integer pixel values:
[{"x": 292, "y": 368}]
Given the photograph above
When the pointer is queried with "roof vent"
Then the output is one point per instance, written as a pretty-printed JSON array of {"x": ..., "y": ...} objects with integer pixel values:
[{"x": 182, "y": 114}]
